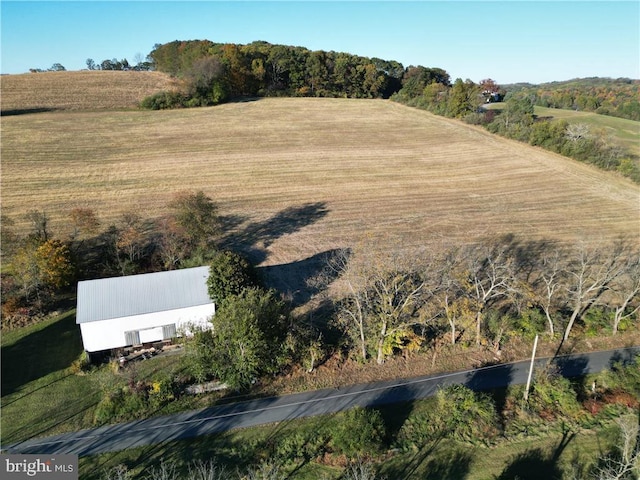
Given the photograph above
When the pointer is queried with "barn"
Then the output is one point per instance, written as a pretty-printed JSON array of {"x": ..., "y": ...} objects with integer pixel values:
[{"x": 140, "y": 309}]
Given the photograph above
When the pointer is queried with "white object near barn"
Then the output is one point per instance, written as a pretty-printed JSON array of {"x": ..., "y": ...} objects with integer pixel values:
[{"x": 125, "y": 311}]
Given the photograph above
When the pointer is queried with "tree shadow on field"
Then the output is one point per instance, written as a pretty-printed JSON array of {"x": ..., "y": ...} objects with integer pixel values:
[
  {"x": 40, "y": 353},
  {"x": 26, "y": 111},
  {"x": 299, "y": 280},
  {"x": 255, "y": 238},
  {"x": 433, "y": 463},
  {"x": 536, "y": 463}
]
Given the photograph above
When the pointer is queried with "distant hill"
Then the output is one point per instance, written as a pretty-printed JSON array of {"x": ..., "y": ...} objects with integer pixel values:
[
  {"x": 618, "y": 97},
  {"x": 83, "y": 90}
]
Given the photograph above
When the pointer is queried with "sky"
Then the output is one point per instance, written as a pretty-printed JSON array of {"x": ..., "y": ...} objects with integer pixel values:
[{"x": 508, "y": 41}]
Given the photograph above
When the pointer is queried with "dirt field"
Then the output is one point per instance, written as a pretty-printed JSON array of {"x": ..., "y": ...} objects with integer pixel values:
[
  {"x": 85, "y": 90},
  {"x": 298, "y": 177}
]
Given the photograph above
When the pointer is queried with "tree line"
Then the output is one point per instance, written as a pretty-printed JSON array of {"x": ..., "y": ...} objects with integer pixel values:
[
  {"x": 516, "y": 120},
  {"x": 140, "y": 64},
  {"x": 485, "y": 294},
  {"x": 217, "y": 72}
]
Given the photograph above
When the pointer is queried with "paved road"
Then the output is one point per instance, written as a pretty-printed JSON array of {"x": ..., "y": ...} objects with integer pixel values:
[{"x": 319, "y": 402}]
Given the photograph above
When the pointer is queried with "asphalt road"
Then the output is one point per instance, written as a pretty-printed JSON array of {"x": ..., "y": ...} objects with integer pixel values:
[{"x": 277, "y": 409}]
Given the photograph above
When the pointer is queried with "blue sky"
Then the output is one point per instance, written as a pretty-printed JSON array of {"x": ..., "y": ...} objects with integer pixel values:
[{"x": 509, "y": 41}]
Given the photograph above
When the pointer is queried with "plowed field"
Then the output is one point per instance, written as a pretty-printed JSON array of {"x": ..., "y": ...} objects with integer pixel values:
[{"x": 301, "y": 176}]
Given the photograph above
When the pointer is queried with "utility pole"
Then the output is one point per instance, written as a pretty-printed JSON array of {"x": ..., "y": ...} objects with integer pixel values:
[{"x": 533, "y": 357}]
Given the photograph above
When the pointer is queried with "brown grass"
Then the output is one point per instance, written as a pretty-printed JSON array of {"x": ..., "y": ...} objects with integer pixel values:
[
  {"x": 385, "y": 173},
  {"x": 84, "y": 90}
]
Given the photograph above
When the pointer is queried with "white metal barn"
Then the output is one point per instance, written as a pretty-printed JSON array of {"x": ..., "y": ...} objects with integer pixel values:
[{"x": 136, "y": 309}]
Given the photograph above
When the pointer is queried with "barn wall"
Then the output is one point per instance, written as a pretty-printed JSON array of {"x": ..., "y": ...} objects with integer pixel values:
[{"x": 108, "y": 334}]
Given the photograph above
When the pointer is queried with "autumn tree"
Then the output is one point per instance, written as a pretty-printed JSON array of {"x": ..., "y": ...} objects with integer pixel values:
[
  {"x": 384, "y": 304},
  {"x": 197, "y": 215},
  {"x": 41, "y": 269},
  {"x": 451, "y": 296},
  {"x": 83, "y": 222},
  {"x": 130, "y": 242},
  {"x": 172, "y": 246}
]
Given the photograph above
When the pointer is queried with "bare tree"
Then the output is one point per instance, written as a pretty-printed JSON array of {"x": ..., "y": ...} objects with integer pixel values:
[
  {"x": 488, "y": 270},
  {"x": 547, "y": 286},
  {"x": 590, "y": 274},
  {"x": 200, "y": 470},
  {"x": 624, "y": 461},
  {"x": 264, "y": 471},
  {"x": 40, "y": 225},
  {"x": 360, "y": 470},
  {"x": 577, "y": 131},
  {"x": 626, "y": 292}
]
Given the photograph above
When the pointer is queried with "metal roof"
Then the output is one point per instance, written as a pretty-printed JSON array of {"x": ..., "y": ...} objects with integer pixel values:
[{"x": 137, "y": 294}]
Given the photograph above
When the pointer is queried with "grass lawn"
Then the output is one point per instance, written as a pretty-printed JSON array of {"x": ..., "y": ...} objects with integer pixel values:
[{"x": 40, "y": 394}]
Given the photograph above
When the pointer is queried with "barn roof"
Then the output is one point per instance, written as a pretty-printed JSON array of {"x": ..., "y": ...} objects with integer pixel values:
[{"x": 138, "y": 294}]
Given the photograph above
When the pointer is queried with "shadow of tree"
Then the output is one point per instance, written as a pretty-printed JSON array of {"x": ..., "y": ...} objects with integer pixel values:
[
  {"x": 300, "y": 279},
  {"x": 253, "y": 240},
  {"x": 26, "y": 111},
  {"x": 432, "y": 463},
  {"x": 40, "y": 353},
  {"x": 536, "y": 463},
  {"x": 494, "y": 380}
]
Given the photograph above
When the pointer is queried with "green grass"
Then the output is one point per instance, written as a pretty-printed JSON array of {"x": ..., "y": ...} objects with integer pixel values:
[{"x": 40, "y": 394}]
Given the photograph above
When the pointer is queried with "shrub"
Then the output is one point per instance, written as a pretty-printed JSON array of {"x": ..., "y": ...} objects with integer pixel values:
[
  {"x": 121, "y": 404},
  {"x": 459, "y": 413},
  {"x": 164, "y": 100},
  {"x": 81, "y": 365},
  {"x": 622, "y": 377},
  {"x": 552, "y": 396},
  {"x": 358, "y": 431}
]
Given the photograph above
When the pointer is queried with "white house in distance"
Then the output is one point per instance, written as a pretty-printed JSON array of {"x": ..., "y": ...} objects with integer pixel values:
[{"x": 136, "y": 309}]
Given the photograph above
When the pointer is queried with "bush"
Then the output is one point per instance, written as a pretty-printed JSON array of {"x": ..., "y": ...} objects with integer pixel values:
[
  {"x": 459, "y": 413},
  {"x": 622, "y": 377},
  {"x": 164, "y": 100},
  {"x": 552, "y": 396},
  {"x": 123, "y": 404},
  {"x": 358, "y": 431}
]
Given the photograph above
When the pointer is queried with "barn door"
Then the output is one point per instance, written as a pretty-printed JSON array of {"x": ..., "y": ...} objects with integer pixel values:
[
  {"x": 169, "y": 331},
  {"x": 132, "y": 337}
]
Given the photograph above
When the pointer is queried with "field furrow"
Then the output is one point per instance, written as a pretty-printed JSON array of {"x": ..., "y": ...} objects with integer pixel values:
[{"x": 343, "y": 170}]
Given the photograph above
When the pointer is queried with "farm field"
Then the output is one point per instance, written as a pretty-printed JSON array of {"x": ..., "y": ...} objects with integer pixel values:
[
  {"x": 84, "y": 90},
  {"x": 300, "y": 176}
]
